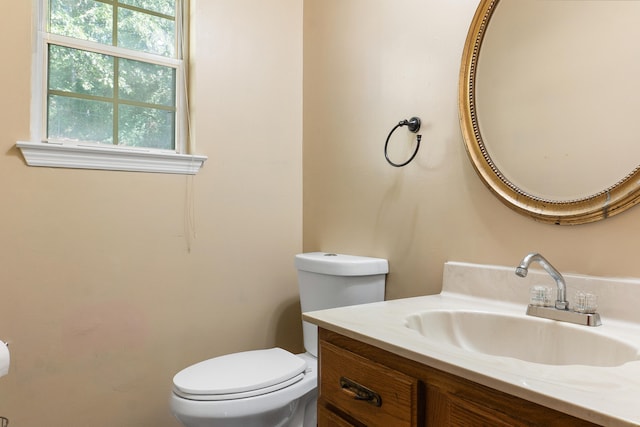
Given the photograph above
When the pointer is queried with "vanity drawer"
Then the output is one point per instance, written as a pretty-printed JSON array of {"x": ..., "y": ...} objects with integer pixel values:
[{"x": 366, "y": 391}]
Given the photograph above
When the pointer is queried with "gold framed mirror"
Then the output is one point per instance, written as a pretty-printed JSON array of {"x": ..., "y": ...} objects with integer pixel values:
[{"x": 549, "y": 139}]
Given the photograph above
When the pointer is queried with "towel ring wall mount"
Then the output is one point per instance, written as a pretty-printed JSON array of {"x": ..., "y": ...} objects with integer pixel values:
[{"x": 413, "y": 124}]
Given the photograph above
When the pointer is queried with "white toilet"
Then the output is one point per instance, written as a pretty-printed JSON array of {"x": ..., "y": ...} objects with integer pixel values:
[{"x": 272, "y": 387}]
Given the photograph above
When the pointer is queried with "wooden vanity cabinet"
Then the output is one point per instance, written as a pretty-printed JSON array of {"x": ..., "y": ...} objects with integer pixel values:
[{"x": 362, "y": 385}]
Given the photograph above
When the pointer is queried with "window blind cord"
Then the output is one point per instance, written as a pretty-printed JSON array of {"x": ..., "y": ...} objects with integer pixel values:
[{"x": 189, "y": 200}]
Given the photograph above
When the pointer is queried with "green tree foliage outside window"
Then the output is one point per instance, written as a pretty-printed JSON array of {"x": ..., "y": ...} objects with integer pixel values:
[{"x": 125, "y": 95}]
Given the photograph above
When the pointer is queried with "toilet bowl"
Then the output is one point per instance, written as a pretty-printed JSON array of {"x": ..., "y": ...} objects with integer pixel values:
[
  {"x": 282, "y": 400},
  {"x": 273, "y": 387}
]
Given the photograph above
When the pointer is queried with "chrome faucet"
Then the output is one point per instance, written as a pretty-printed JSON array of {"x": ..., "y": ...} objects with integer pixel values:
[
  {"x": 523, "y": 269},
  {"x": 561, "y": 311}
]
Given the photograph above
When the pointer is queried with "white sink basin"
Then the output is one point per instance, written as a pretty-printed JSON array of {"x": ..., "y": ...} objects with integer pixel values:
[{"x": 522, "y": 337}]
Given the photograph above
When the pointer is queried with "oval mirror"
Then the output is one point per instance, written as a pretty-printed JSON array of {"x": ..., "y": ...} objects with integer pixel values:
[{"x": 548, "y": 106}]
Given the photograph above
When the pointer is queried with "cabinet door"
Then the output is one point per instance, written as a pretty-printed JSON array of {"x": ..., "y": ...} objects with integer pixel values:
[
  {"x": 465, "y": 404},
  {"x": 326, "y": 418},
  {"x": 370, "y": 393}
]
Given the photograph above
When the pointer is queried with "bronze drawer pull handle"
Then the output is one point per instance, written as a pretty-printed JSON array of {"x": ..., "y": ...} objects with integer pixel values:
[{"x": 360, "y": 392}]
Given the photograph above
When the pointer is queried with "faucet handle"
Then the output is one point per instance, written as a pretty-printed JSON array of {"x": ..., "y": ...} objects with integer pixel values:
[
  {"x": 540, "y": 296},
  {"x": 585, "y": 302}
]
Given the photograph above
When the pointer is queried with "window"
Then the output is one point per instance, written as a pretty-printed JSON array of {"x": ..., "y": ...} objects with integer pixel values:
[{"x": 110, "y": 82}]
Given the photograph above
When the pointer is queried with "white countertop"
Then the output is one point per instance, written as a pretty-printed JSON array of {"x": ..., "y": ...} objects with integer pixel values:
[{"x": 603, "y": 395}]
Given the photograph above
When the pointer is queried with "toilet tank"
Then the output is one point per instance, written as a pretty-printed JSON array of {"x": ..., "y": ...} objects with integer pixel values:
[{"x": 329, "y": 280}]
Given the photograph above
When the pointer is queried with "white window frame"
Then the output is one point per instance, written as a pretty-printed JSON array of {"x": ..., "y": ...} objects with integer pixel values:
[{"x": 39, "y": 152}]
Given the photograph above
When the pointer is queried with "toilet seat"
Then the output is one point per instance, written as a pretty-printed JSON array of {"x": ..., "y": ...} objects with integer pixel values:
[{"x": 240, "y": 375}]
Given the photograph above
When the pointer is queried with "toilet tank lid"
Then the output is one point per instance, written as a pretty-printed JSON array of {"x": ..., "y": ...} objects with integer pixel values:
[{"x": 341, "y": 265}]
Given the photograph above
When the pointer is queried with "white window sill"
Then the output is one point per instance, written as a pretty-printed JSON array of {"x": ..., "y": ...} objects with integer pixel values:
[{"x": 108, "y": 158}]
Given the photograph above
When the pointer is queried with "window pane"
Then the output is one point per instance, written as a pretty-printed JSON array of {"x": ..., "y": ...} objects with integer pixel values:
[
  {"x": 146, "y": 127},
  {"x": 147, "y": 33},
  {"x": 82, "y": 19},
  {"x": 109, "y": 99},
  {"x": 148, "y": 83},
  {"x": 75, "y": 119},
  {"x": 165, "y": 7},
  {"x": 79, "y": 71}
]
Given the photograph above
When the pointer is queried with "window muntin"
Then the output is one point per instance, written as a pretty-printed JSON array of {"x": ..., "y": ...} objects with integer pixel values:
[{"x": 112, "y": 72}]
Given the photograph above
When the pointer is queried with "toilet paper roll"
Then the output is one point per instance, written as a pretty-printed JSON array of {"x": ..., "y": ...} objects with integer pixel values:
[{"x": 4, "y": 359}]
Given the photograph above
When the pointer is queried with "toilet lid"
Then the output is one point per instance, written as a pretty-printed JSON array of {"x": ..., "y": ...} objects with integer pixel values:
[{"x": 240, "y": 375}]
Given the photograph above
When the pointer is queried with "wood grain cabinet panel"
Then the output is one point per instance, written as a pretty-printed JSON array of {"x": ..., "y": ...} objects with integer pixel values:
[
  {"x": 369, "y": 392},
  {"x": 328, "y": 418}
]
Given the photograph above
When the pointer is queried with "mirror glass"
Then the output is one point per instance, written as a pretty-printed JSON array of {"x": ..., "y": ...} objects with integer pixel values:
[
  {"x": 557, "y": 94},
  {"x": 550, "y": 90}
]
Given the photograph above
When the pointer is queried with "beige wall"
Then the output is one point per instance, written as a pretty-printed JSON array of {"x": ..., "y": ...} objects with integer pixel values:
[
  {"x": 371, "y": 63},
  {"x": 99, "y": 295},
  {"x": 101, "y": 298}
]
